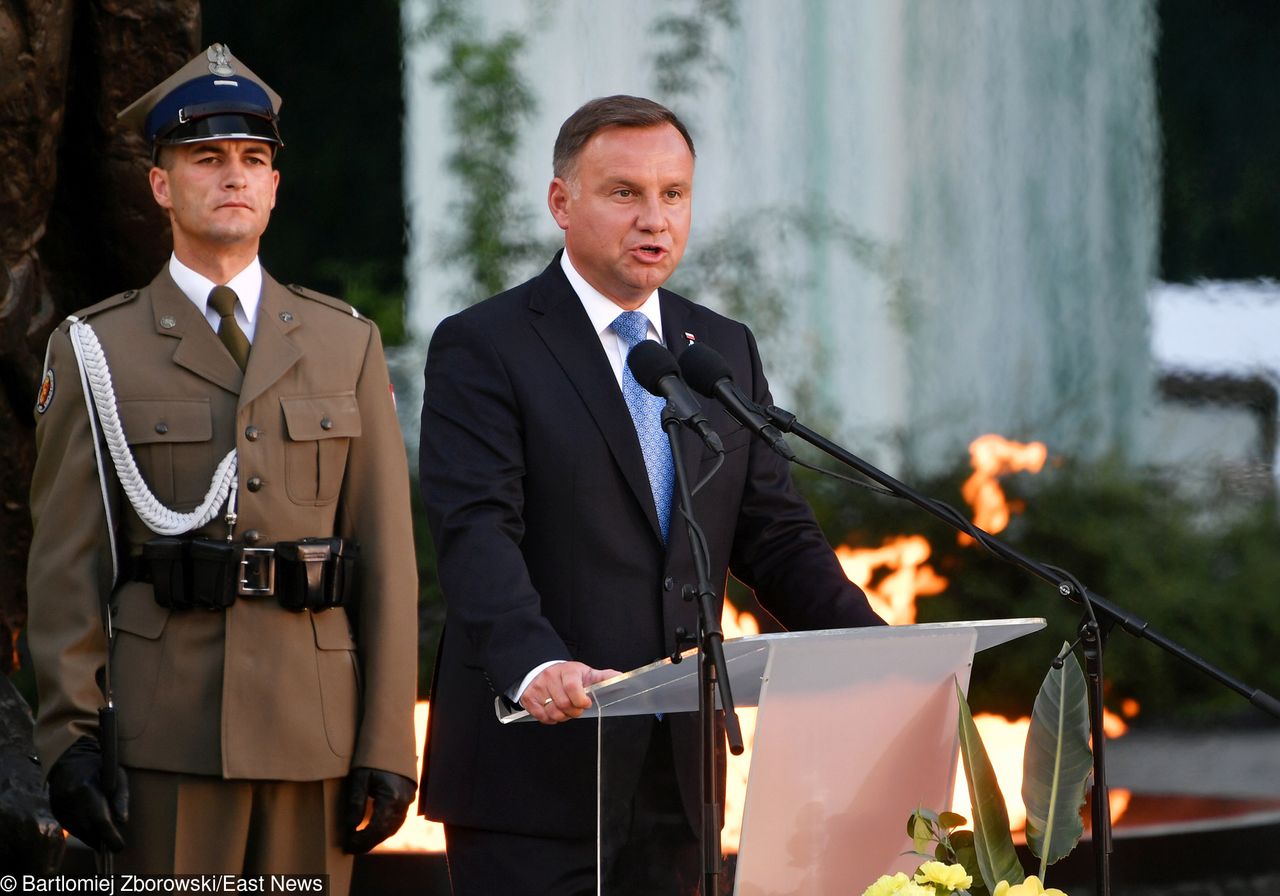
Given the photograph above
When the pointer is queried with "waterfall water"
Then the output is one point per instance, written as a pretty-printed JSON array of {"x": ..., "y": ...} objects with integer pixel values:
[{"x": 940, "y": 217}]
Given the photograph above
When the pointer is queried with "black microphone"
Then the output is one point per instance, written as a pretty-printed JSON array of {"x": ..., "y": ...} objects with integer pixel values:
[
  {"x": 709, "y": 373},
  {"x": 655, "y": 369}
]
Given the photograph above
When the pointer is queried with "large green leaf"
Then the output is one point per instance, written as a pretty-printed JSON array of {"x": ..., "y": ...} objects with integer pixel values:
[
  {"x": 997, "y": 858},
  {"x": 1057, "y": 763}
]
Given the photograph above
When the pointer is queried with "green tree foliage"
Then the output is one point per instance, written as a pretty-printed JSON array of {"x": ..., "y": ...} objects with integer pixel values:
[
  {"x": 683, "y": 51},
  {"x": 489, "y": 102}
]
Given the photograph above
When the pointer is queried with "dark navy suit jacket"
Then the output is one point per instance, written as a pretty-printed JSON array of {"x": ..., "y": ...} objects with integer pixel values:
[{"x": 549, "y": 548}]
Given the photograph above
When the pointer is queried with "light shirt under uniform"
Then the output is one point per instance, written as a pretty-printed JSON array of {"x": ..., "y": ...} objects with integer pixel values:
[
  {"x": 247, "y": 285},
  {"x": 602, "y": 311}
]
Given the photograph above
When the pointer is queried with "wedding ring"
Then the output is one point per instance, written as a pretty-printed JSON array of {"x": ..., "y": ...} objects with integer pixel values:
[{"x": 547, "y": 702}]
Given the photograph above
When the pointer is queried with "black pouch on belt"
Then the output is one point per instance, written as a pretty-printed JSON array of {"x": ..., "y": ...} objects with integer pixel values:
[
  {"x": 340, "y": 577},
  {"x": 214, "y": 571},
  {"x": 165, "y": 559},
  {"x": 316, "y": 573},
  {"x": 300, "y": 573}
]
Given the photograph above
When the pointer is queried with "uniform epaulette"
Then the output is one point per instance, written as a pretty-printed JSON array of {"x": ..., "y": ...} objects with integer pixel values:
[
  {"x": 119, "y": 299},
  {"x": 323, "y": 299}
]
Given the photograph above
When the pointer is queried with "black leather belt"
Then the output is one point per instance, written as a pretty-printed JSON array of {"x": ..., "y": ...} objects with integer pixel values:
[{"x": 203, "y": 573}]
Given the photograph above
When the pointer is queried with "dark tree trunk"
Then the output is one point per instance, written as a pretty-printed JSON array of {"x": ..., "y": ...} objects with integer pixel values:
[{"x": 77, "y": 222}]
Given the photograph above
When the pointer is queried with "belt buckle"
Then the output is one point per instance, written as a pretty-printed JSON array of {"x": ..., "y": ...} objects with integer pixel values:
[{"x": 257, "y": 572}]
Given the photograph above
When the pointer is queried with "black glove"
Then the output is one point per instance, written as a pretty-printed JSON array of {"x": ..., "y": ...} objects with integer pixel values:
[
  {"x": 391, "y": 794},
  {"x": 80, "y": 802}
]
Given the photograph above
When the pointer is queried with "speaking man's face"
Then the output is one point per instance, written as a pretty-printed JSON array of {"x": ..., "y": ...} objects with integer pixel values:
[{"x": 625, "y": 210}]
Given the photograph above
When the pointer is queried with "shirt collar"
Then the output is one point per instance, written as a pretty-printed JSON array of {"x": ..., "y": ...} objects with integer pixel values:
[
  {"x": 247, "y": 286},
  {"x": 603, "y": 310}
]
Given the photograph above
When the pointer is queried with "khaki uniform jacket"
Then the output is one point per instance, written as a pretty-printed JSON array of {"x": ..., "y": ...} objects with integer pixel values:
[{"x": 256, "y": 691}]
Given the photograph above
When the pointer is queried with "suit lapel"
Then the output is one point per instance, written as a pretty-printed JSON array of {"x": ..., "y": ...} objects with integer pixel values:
[
  {"x": 564, "y": 327},
  {"x": 280, "y": 312},
  {"x": 198, "y": 349}
]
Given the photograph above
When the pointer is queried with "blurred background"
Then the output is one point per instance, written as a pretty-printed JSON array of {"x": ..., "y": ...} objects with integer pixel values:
[
  {"x": 1057, "y": 223},
  {"x": 1052, "y": 223}
]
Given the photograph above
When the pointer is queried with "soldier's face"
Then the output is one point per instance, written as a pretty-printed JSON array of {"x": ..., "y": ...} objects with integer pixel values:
[
  {"x": 625, "y": 210},
  {"x": 218, "y": 193}
]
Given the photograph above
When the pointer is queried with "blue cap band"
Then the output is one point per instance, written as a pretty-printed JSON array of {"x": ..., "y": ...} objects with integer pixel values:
[{"x": 206, "y": 96}]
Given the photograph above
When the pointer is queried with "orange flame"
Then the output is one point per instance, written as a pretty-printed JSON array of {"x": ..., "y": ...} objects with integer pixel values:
[
  {"x": 738, "y": 625},
  {"x": 418, "y": 834},
  {"x": 893, "y": 597},
  {"x": 994, "y": 456}
]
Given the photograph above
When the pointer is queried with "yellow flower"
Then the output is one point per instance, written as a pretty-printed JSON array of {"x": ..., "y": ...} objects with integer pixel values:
[
  {"x": 952, "y": 877},
  {"x": 1030, "y": 887},
  {"x": 898, "y": 885},
  {"x": 886, "y": 885}
]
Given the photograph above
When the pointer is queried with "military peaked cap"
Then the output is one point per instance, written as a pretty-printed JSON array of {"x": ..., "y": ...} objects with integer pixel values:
[{"x": 212, "y": 97}]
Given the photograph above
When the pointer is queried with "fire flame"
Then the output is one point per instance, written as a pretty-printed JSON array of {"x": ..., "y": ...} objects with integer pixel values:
[
  {"x": 417, "y": 834},
  {"x": 737, "y": 625},
  {"x": 994, "y": 456},
  {"x": 894, "y": 595}
]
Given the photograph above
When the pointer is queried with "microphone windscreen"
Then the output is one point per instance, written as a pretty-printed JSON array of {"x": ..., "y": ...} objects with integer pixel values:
[
  {"x": 650, "y": 361},
  {"x": 703, "y": 367}
]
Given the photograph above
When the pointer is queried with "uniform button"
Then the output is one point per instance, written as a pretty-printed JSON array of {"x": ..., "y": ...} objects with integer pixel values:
[
  {"x": 326, "y": 423},
  {"x": 253, "y": 536},
  {"x": 162, "y": 428},
  {"x": 255, "y": 483},
  {"x": 252, "y": 433},
  {"x": 668, "y": 583}
]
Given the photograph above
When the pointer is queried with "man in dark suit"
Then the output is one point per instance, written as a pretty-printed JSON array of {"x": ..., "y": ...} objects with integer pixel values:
[{"x": 549, "y": 500}]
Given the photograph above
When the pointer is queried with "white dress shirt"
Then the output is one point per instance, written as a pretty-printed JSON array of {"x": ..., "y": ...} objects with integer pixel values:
[{"x": 247, "y": 286}]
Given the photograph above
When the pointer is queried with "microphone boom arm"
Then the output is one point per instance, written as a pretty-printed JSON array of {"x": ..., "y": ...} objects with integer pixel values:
[{"x": 1131, "y": 623}]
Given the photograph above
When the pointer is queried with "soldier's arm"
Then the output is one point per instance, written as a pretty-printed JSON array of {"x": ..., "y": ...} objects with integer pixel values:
[
  {"x": 70, "y": 565},
  {"x": 374, "y": 510}
]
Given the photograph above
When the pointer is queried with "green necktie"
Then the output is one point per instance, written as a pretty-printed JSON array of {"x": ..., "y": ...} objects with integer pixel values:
[{"x": 223, "y": 300}]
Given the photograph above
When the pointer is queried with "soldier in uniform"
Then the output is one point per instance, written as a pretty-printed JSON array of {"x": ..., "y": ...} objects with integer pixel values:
[{"x": 222, "y": 536}]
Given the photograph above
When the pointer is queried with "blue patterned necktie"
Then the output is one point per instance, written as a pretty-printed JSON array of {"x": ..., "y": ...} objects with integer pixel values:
[{"x": 646, "y": 413}]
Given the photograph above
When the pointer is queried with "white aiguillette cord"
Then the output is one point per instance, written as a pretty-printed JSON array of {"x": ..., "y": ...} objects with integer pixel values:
[{"x": 96, "y": 378}]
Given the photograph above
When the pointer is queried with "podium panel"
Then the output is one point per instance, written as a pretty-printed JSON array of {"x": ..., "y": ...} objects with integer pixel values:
[
  {"x": 855, "y": 729},
  {"x": 839, "y": 763}
]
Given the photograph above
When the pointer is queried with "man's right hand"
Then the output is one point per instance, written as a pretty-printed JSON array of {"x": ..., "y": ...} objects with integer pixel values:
[
  {"x": 559, "y": 692},
  {"x": 79, "y": 801}
]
